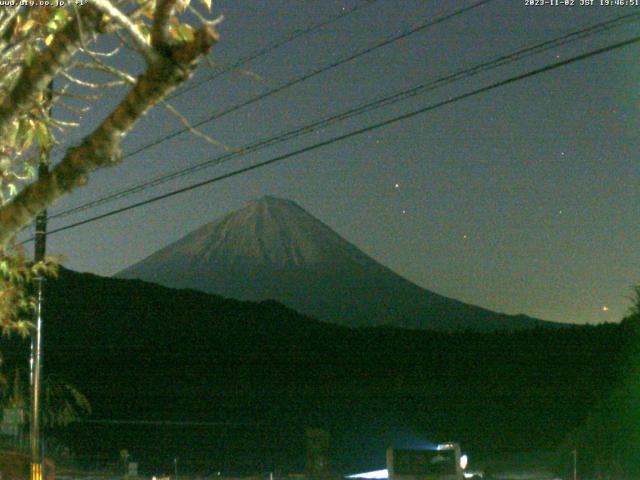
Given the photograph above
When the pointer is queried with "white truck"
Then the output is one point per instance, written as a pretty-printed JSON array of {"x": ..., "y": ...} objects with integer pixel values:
[{"x": 443, "y": 463}]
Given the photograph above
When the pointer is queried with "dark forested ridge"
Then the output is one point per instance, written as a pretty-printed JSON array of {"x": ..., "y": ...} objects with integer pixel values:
[{"x": 140, "y": 351}]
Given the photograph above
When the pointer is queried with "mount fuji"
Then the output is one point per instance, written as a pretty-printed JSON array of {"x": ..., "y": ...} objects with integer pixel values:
[{"x": 273, "y": 249}]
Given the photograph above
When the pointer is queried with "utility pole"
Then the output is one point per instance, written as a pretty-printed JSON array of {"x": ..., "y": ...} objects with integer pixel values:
[
  {"x": 36, "y": 472},
  {"x": 575, "y": 464},
  {"x": 175, "y": 467}
]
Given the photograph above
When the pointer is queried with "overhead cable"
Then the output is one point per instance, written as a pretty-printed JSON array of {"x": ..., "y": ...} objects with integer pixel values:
[{"x": 357, "y": 132}]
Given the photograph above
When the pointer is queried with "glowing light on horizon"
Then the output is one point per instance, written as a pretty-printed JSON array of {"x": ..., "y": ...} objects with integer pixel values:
[
  {"x": 375, "y": 474},
  {"x": 445, "y": 446}
]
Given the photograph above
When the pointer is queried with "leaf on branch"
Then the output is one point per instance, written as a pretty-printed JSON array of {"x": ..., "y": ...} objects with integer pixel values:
[
  {"x": 182, "y": 5},
  {"x": 23, "y": 328},
  {"x": 144, "y": 29},
  {"x": 25, "y": 134},
  {"x": 184, "y": 33},
  {"x": 29, "y": 170},
  {"x": 58, "y": 20},
  {"x": 11, "y": 134},
  {"x": 26, "y": 26},
  {"x": 46, "y": 268},
  {"x": 30, "y": 54},
  {"x": 44, "y": 135},
  {"x": 147, "y": 9}
]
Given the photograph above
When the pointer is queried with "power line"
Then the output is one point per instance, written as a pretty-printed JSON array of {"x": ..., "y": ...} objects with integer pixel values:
[
  {"x": 307, "y": 76},
  {"x": 368, "y": 106},
  {"x": 275, "y": 45},
  {"x": 360, "y": 131},
  {"x": 271, "y": 47},
  {"x": 312, "y": 74}
]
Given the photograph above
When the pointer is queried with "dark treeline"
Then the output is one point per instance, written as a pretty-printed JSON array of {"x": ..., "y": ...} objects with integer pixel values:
[{"x": 144, "y": 352}]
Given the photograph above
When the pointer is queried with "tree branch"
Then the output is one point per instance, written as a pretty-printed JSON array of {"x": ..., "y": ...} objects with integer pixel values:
[
  {"x": 34, "y": 79},
  {"x": 134, "y": 32},
  {"x": 5, "y": 23},
  {"x": 162, "y": 16},
  {"x": 194, "y": 131},
  {"x": 101, "y": 148}
]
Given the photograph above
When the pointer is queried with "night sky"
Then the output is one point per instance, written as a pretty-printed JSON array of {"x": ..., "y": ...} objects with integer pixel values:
[{"x": 522, "y": 200}]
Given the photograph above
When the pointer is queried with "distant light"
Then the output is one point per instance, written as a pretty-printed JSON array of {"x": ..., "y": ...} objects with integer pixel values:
[
  {"x": 397, "y": 185},
  {"x": 605, "y": 309},
  {"x": 376, "y": 474},
  {"x": 476, "y": 473},
  {"x": 464, "y": 461},
  {"x": 445, "y": 446}
]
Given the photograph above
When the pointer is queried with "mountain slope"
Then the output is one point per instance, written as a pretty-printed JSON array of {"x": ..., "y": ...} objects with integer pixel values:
[{"x": 273, "y": 249}]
